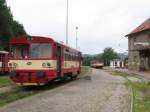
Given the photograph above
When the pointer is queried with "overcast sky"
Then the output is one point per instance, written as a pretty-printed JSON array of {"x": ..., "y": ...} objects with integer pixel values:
[{"x": 102, "y": 23}]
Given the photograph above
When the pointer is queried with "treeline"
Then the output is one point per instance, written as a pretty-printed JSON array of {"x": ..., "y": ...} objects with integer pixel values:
[
  {"x": 8, "y": 26},
  {"x": 105, "y": 57}
]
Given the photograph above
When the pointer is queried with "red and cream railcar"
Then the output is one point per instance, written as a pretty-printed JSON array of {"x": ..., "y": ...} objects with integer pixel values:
[
  {"x": 38, "y": 60},
  {"x": 3, "y": 62}
]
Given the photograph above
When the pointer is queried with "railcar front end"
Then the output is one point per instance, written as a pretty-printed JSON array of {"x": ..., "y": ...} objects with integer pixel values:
[{"x": 32, "y": 61}]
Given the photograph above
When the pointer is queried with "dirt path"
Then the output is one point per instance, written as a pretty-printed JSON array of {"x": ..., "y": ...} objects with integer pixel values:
[
  {"x": 95, "y": 92},
  {"x": 7, "y": 89}
]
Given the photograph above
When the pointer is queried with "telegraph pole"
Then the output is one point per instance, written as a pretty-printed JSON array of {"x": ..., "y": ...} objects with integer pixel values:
[
  {"x": 76, "y": 37},
  {"x": 67, "y": 22}
]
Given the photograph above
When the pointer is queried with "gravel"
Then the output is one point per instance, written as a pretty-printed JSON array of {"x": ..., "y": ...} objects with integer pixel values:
[
  {"x": 7, "y": 89},
  {"x": 95, "y": 92}
]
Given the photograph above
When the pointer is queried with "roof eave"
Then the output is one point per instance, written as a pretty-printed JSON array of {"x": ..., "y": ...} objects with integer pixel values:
[{"x": 133, "y": 33}]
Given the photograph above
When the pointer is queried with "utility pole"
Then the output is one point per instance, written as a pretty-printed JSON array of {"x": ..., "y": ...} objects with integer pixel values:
[
  {"x": 67, "y": 22},
  {"x": 76, "y": 37}
]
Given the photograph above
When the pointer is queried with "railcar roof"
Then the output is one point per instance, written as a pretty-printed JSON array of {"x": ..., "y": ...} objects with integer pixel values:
[
  {"x": 24, "y": 39},
  {"x": 67, "y": 46}
]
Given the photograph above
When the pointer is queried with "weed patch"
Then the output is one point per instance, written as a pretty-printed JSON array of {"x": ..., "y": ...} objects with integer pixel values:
[
  {"x": 141, "y": 92},
  {"x": 5, "y": 81}
]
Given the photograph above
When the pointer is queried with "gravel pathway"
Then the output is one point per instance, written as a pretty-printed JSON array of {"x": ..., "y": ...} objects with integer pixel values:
[
  {"x": 94, "y": 92},
  {"x": 7, "y": 88}
]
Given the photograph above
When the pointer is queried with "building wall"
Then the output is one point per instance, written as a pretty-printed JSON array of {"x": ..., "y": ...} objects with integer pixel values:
[
  {"x": 134, "y": 61},
  {"x": 134, "y": 55},
  {"x": 117, "y": 64},
  {"x": 140, "y": 37}
]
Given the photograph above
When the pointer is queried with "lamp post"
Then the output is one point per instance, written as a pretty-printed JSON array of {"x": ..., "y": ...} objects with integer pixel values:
[
  {"x": 77, "y": 37},
  {"x": 67, "y": 22}
]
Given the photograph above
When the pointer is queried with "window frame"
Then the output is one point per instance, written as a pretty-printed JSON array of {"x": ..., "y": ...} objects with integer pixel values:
[{"x": 41, "y": 57}]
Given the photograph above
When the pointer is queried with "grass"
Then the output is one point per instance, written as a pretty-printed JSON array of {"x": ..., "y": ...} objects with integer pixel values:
[
  {"x": 24, "y": 92},
  {"x": 20, "y": 93},
  {"x": 123, "y": 74},
  {"x": 141, "y": 93},
  {"x": 14, "y": 95},
  {"x": 5, "y": 81},
  {"x": 142, "y": 96},
  {"x": 85, "y": 69}
]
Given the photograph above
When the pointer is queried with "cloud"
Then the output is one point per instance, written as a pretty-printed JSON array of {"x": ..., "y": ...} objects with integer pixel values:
[{"x": 102, "y": 23}]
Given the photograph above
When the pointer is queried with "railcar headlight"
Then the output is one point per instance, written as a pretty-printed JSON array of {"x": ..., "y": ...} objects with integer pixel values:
[
  {"x": 14, "y": 65},
  {"x": 46, "y": 65},
  {"x": 10, "y": 65}
]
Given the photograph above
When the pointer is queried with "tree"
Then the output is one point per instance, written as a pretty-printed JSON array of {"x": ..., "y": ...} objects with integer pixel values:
[
  {"x": 109, "y": 54},
  {"x": 8, "y": 27},
  {"x": 5, "y": 21},
  {"x": 87, "y": 59},
  {"x": 18, "y": 28},
  {"x": 98, "y": 57}
]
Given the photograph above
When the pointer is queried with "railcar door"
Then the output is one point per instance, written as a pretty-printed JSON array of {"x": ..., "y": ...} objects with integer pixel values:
[{"x": 59, "y": 55}]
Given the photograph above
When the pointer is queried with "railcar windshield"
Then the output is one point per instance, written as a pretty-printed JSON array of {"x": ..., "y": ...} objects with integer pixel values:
[
  {"x": 34, "y": 51},
  {"x": 41, "y": 50},
  {"x": 20, "y": 51}
]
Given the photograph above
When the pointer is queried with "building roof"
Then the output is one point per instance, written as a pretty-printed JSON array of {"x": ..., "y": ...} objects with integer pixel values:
[{"x": 144, "y": 26}]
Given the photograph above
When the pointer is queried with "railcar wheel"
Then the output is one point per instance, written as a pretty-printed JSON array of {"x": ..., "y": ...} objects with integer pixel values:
[{"x": 73, "y": 77}]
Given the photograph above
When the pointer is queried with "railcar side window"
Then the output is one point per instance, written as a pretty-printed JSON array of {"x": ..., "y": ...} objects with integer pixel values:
[{"x": 71, "y": 55}]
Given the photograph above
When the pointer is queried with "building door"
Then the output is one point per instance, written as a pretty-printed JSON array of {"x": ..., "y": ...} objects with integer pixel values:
[
  {"x": 145, "y": 59},
  {"x": 59, "y": 60},
  {"x": 148, "y": 63},
  {"x": 121, "y": 65}
]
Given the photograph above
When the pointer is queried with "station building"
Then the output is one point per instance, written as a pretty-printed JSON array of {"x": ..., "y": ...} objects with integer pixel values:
[{"x": 139, "y": 47}]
